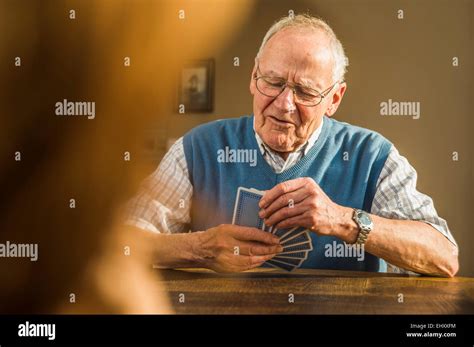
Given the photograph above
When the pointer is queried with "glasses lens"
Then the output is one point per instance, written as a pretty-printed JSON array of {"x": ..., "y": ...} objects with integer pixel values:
[
  {"x": 270, "y": 86},
  {"x": 306, "y": 96},
  {"x": 273, "y": 87}
]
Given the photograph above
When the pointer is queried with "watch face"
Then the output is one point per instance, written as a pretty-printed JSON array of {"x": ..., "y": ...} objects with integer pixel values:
[{"x": 364, "y": 219}]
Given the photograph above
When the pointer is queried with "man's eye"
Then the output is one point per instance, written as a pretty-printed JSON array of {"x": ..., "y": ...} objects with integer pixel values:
[
  {"x": 305, "y": 94},
  {"x": 275, "y": 83}
]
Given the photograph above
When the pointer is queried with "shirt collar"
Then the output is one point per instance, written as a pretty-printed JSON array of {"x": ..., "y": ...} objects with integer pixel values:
[{"x": 303, "y": 148}]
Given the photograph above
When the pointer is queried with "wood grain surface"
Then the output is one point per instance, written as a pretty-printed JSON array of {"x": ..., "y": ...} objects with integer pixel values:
[{"x": 268, "y": 291}]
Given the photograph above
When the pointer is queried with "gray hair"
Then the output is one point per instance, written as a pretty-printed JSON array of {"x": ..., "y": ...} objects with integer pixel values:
[{"x": 307, "y": 21}]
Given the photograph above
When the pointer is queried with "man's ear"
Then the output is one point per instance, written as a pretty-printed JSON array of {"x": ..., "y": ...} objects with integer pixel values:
[
  {"x": 336, "y": 99},
  {"x": 252, "y": 80}
]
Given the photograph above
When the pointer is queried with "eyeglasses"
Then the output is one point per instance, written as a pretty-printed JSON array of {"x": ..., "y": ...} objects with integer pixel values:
[{"x": 274, "y": 86}]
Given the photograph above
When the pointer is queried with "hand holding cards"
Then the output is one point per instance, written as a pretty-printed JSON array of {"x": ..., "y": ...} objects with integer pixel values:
[
  {"x": 235, "y": 248},
  {"x": 296, "y": 242}
]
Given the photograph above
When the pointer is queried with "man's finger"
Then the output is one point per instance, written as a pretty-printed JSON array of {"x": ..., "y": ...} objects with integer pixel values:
[
  {"x": 285, "y": 200},
  {"x": 256, "y": 248},
  {"x": 284, "y": 214},
  {"x": 254, "y": 234},
  {"x": 280, "y": 189},
  {"x": 296, "y": 221},
  {"x": 251, "y": 261},
  {"x": 259, "y": 259},
  {"x": 258, "y": 264}
]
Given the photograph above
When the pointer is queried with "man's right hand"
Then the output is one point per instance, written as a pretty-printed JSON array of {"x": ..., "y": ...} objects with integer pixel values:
[{"x": 233, "y": 248}]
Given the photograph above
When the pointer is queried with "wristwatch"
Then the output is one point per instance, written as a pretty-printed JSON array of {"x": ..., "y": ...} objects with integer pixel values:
[{"x": 365, "y": 224}]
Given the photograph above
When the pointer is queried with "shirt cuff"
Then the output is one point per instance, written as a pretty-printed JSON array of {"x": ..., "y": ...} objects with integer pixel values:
[{"x": 443, "y": 231}]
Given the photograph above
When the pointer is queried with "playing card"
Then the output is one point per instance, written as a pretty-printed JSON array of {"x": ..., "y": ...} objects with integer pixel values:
[
  {"x": 306, "y": 246},
  {"x": 296, "y": 239},
  {"x": 246, "y": 208},
  {"x": 283, "y": 232},
  {"x": 292, "y": 234},
  {"x": 280, "y": 265},
  {"x": 290, "y": 261},
  {"x": 266, "y": 228},
  {"x": 299, "y": 255}
]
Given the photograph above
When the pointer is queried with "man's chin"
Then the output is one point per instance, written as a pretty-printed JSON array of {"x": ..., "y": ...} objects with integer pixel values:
[{"x": 278, "y": 147}]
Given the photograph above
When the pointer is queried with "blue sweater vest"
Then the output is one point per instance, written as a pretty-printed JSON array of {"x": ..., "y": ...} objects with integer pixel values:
[{"x": 345, "y": 161}]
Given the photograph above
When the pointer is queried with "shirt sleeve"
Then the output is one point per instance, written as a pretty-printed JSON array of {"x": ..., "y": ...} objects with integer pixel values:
[
  {"x": 396, "y": 197},
  {"x": 163, "y": 203}
]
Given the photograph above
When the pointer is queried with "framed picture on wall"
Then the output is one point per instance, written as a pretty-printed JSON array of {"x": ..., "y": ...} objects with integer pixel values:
[{"x": 196, "y": 86}]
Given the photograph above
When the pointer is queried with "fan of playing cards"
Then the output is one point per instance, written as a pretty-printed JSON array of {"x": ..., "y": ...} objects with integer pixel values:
[{"x": 296, "y": 242}]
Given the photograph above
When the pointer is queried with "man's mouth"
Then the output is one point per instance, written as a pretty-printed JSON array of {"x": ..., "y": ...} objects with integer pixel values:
[{"x": 280, "y": 122}]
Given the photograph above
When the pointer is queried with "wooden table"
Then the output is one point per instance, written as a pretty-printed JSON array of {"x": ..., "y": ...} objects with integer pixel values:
[{"x": 269, "y": 291}]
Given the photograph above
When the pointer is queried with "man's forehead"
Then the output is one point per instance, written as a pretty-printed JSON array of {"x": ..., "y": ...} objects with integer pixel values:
[{"x": 304, "y": 52}]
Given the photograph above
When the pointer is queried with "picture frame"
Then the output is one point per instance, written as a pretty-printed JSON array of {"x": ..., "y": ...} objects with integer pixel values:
[{"x": 196, "y": 86}]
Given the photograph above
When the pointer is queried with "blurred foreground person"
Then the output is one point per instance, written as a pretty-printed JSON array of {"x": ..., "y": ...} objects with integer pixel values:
[{"x": 64, "y": 178}]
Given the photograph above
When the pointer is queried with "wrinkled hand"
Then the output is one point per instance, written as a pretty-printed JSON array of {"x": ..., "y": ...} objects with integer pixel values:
[
  {"x": 302, "y": 203},
  {"x": 233, "y": 248}
]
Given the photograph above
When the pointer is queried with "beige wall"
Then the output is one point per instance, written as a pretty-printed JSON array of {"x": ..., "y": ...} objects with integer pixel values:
[{"x": 402, "y": 60}]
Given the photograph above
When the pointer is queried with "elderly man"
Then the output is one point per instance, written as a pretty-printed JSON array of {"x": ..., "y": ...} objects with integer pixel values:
[{"x": 347, "y": 184}]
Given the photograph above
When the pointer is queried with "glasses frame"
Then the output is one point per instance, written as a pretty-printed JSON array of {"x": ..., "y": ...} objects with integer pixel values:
[{"x": 292, "y": 86}]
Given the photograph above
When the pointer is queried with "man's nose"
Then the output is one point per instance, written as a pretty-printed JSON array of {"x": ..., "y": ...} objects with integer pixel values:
[{"x": 286, "y": 100}]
